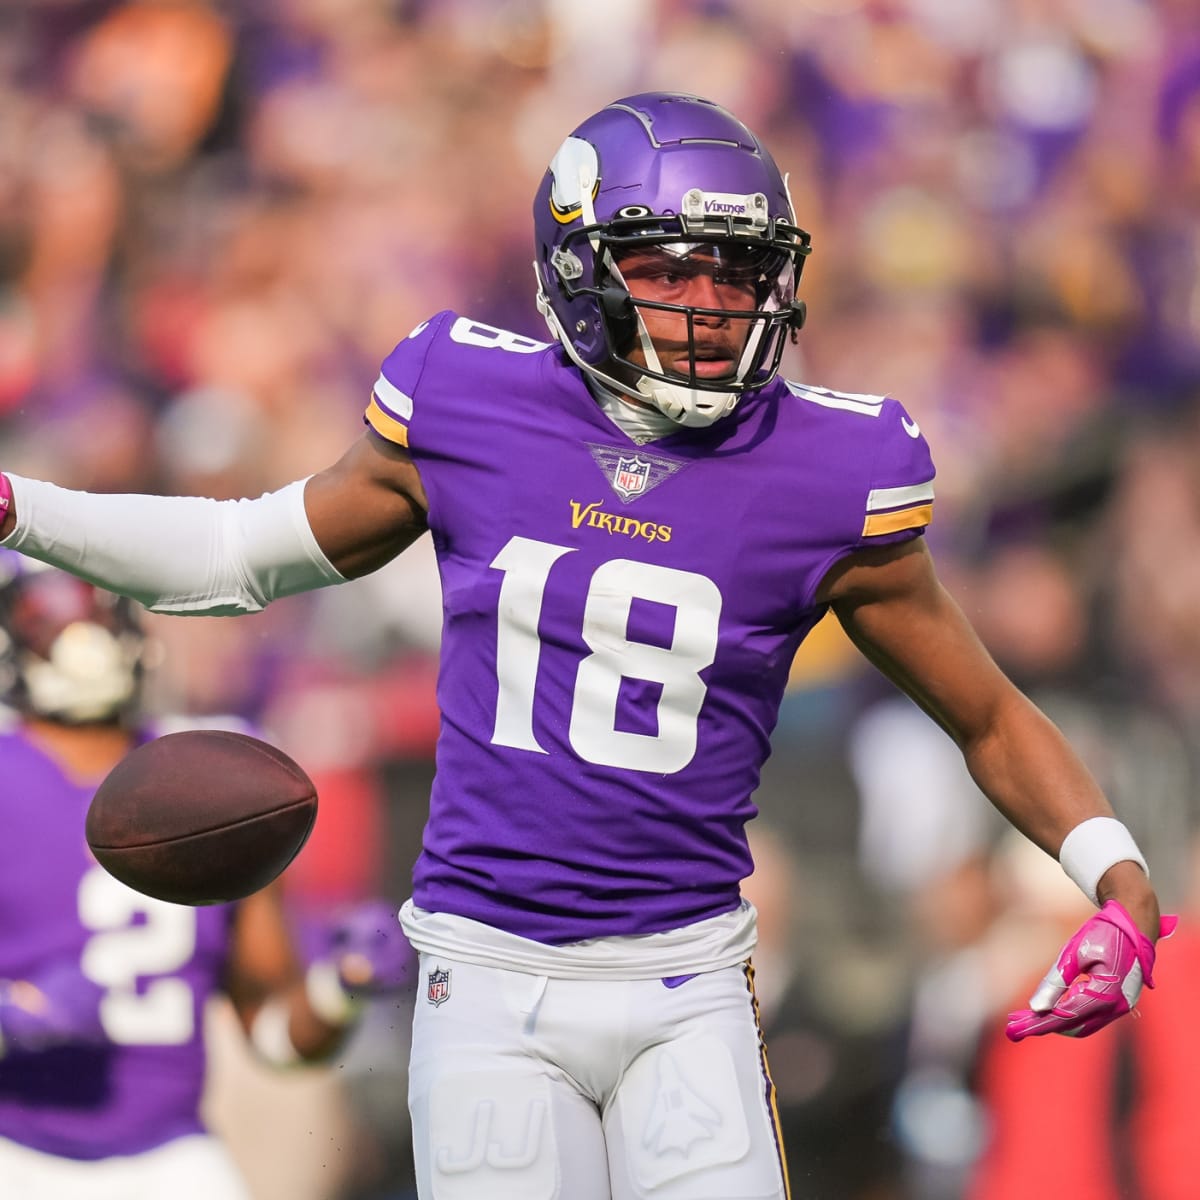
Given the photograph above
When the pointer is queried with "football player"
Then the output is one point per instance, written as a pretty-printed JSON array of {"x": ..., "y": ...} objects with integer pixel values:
[
  {"x": 637, "y": 525},
  {"x": 103, "y": 990}
]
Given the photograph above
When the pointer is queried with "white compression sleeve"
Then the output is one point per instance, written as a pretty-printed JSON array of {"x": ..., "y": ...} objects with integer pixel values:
[{"x": 175, "y": 554}]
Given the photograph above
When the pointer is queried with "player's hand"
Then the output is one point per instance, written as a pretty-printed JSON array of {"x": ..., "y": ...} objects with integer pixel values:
[
  {"x": 7, "y": 515},
  {"x": 57, "y": 1006},
  {"x": 370, "y": 951},
  {"x": 1097, "y": 978}
]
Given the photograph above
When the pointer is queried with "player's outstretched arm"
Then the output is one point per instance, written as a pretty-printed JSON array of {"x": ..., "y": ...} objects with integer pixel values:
[
  {"x": 188, "y": 554},
  {"x": 366, "y": 508},
  {"x": 896, "y": 611},
  {"x": 301, "y": 1012}
]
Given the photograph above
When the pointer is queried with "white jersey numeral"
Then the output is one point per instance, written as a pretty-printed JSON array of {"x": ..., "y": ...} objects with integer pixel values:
[
  {"x": 137, "y": 937},
  {"x": 526, "y": 565},
  {"x": 475, "y": 333},
  {"x": 614, "y": 657}
]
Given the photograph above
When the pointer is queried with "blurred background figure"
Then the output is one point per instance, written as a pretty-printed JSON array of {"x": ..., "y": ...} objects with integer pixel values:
[
  {"x": 981, "y": 904},
  {"x": 1024, "y": 1137},
  {"x": 216, "y": 218},
  {"x": 104, "y": 992},
  {"x": 833, "y": 1027}
]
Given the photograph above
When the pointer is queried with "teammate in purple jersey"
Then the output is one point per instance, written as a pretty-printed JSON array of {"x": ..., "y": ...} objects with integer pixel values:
[
  {"x": 103, "y": 990},
  {"x": 636, "y": 525}
]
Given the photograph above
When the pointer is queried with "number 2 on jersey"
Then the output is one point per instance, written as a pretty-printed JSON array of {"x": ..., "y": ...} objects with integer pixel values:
[
  {"x": 613, "y": 587},
  {"x": 136, "y": 938}
]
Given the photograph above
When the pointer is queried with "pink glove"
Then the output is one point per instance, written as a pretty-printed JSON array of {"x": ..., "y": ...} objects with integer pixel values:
[
  {"x": 6, "y": 496},
  {"x": 1097, "y": 978}
]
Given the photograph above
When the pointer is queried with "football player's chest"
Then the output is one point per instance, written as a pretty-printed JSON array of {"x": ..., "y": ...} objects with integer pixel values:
[{"x": 578, "y": 522}]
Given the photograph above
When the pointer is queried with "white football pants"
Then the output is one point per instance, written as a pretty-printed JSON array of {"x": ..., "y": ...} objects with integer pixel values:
[{"x": 528, "y": 1088}]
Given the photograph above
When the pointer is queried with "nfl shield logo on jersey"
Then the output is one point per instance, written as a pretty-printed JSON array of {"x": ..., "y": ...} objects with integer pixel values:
[
  {"x": 631, "y": 476},
  {"x": 438, "y": 991}
]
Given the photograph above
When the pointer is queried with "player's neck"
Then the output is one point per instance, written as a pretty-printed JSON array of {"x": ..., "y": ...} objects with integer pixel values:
[
  {"x": 639, "y": 421},
  {"x": 84, "y": 752}
]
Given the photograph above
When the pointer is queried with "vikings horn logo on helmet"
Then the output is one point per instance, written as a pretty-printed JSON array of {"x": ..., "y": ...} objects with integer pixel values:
[{"x": 575, "y": 173}]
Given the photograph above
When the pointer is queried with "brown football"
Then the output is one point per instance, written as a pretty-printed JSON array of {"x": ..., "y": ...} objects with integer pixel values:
[{"x": 203, "y": 816}]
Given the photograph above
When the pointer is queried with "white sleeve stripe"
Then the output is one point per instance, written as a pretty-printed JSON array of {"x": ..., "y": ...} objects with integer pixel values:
[
  {"x": 859, "y": 402},
  {"x": 395, "y": 401},
  {"x": 881, "y": 498}
]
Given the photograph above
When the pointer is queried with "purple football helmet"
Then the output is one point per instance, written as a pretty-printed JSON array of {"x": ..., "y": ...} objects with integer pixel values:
[
  {"x": 672, "y": 171},
  {"x": 69, "y": 652}
]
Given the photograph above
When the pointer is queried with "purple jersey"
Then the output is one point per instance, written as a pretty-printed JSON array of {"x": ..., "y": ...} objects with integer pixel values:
[
  {"x": 620, "y": 621},
  {"x": 158, "y": 963}
]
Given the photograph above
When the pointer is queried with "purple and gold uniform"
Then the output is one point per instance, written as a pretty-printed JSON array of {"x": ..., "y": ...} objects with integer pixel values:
[
  {"x": 620, "y": 620},
  {"x": 155, "y": 964}
]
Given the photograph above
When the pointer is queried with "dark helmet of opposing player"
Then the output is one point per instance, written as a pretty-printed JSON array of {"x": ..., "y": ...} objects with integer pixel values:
[
  {"x": 69, "y": 652},
  {"x": 662, "y": 169}
]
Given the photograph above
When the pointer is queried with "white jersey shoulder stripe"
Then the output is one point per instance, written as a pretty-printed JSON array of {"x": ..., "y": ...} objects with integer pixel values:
[
  {"x": 895, "y": 497},
  {"x": 395, "y": 401},
  {"x": 859, "y": 402}
]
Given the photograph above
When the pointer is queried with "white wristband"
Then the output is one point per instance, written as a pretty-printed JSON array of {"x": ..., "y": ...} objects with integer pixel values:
[
  {"x": 270, "y": 1034},
  {"x": 327, "y": 997},
  {"x": 1092, "y": 847}
]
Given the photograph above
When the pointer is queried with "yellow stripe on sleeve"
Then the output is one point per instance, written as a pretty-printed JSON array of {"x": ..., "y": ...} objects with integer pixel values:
[
  {"x": 893, "y": 522},
  {"x": 385, "y": 425}
]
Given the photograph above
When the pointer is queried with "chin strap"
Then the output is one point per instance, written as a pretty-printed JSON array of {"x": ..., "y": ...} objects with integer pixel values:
[{"x": 686, "y": 406}]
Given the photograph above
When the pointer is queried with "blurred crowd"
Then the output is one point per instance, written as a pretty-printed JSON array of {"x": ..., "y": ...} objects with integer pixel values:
[{"x": 217, "y": 218}]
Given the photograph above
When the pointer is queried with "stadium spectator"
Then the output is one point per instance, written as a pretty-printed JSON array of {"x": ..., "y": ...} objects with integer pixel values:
[{"x": 1119, "y": 1102}]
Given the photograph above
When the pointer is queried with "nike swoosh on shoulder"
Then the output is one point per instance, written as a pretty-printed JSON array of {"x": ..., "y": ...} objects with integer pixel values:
[{"x": 911, "y": 427}]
